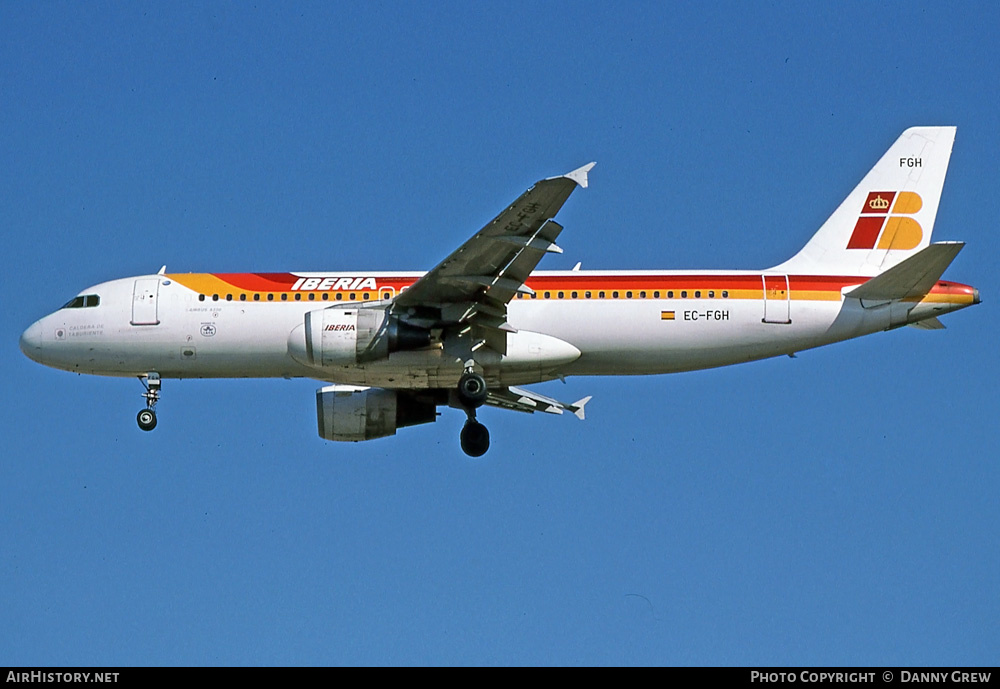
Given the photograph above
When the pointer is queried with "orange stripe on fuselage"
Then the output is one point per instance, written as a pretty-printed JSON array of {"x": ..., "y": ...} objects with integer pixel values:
[{"x": 801, "y": 287}]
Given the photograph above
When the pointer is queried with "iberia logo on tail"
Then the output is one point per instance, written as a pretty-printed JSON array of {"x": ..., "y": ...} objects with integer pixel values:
[{"x": 891, "y": 229}]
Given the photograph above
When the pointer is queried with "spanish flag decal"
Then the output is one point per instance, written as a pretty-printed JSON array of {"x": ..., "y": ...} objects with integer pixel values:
[{"x": 666, "y": 315}]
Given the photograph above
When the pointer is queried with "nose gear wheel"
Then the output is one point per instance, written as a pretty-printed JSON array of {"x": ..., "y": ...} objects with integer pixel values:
[{"x": 146, "y": 419}]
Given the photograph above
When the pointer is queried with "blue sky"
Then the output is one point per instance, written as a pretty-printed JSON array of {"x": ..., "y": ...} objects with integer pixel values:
[{"x": 836, "y": 508}]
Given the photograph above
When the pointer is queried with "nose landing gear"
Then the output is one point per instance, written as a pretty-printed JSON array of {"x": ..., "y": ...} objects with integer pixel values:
[
  {"x": 472, "y": 393},
  {"x": 147, "y": 417}
]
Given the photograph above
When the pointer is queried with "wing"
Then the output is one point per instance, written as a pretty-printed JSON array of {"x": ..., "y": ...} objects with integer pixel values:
[
  {"x": 519, "y": 399},
  {"x": 473, "y": 286}
]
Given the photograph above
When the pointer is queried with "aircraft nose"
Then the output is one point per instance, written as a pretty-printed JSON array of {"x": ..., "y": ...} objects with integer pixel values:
[{"x": 31, "y": 341}]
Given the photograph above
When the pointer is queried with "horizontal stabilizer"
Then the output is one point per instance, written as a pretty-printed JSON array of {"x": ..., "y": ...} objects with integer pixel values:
[
  {"x": 913, "y": 278},
  {"x": 927, "y": 324}
]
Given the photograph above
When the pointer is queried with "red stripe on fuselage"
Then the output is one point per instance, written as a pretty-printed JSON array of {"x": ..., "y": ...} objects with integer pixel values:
[{"x": 283, "y": 282}]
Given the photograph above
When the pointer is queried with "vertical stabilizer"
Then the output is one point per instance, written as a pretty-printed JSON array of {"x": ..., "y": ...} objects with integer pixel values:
[{"x": 889, "y": 216}]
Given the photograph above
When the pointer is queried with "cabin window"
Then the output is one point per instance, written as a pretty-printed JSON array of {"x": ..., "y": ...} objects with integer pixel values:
[
  {"x": 548, "y": 294},
  {"x": 711, "y": 294},
  {"x": 256, "y": 297},
  {"x": 298, "y": 297},
  {"x": 574, "y": 295},
  {"x": 284, "y": 297},
  {"x": 670, "y": 294},
  {"x": 326, "y": 296},
  {"x": 684, "y": 294},
  {"x": 561, "y": 295},
  {"x": 340, "y": 296},
  {"x": 388, "y": 295},
  {"x": 353, "y": 296},
  {"x": 312, "y": 296},
  {"x": 201, "y": 297},
  {"x": 697, "y": 294},
  {"x": 628, "y": 295},
  {"x": 215, "y": 297},
  {"x": 725, "y": 294},
  {"x": 656, "y": 294},
  {"x": 614, "y": 295},
  {"x": 586, "y": 295},
  {"x": 365, "y": 296},
  {"x": 600, "y": 295},
  {"x": 642, "y": 295}
]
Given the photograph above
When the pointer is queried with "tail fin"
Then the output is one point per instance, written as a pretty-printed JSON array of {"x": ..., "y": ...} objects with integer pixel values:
[{"x": 889, "y": 216}]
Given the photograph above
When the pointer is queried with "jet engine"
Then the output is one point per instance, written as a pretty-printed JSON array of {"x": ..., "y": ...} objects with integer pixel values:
[
  {"x": 346, "y": 336},
  {"x": 346, "y": 412}
]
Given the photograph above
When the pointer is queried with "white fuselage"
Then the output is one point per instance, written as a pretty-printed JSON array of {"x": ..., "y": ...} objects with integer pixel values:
[{"x": 168, "y": 324}]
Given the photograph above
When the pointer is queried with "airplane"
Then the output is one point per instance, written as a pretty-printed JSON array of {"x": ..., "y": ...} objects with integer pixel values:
[{"x": 394, "y": 346}]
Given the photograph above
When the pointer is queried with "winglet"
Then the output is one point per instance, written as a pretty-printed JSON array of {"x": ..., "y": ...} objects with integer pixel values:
[
  {"x": 578, "y": 406},
  {"x": 579, "y": 175}
]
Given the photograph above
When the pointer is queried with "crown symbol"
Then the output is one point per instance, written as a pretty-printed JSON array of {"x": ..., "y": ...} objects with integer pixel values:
[{"x": 878, "y": 203}]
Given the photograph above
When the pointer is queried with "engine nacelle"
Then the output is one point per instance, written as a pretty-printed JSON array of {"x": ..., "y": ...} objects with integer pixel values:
[
  {"x": 346, "y": 336},
  {"x": 346, "y": 412}
]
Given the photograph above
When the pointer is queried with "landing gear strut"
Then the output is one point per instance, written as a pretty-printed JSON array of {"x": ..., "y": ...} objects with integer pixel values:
[
  {"x": 147, "y": 417},
  {"x": 472, "y": 393}
]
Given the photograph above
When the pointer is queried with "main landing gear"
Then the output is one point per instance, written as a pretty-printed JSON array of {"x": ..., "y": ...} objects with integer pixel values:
[
  {"x": 147, "y": 417},
  {"x": 471, "y": 395}
]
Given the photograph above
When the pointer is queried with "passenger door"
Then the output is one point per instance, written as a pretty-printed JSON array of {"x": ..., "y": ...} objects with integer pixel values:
[
  {"x": 144, "y": 301},
  {"x": 776, "y": 299}
]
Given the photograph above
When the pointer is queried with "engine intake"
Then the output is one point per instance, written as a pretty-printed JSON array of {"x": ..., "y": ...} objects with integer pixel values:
[
  {"x": 353, "y": 414},
  {"x": 346, "y": 336}
]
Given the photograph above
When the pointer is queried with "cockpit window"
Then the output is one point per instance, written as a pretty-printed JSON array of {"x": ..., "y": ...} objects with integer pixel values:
[{"x": 84, "y": 301}]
